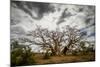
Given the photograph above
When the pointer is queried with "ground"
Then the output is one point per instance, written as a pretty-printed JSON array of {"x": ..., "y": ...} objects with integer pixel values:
[{"x": 64, "y": 59}]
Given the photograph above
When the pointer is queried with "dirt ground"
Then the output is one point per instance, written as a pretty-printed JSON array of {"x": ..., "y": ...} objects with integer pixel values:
[{"x": 64, "y": 59}]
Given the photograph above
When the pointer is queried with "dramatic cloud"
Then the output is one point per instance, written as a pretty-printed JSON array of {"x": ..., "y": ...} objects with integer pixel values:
[
  {"x": 35, "y": 9},
  {"x": 25, "y": 16}
]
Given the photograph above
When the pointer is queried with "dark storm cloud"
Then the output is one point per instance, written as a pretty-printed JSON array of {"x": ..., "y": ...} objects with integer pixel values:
[
  {"x": 83, "y": 33},
  {"x": 90, "y": 15},
  {"x": 89, "y": 20},
  {"x": 85, "y": 28},
  {"x": 89, "y": 11},
  {"x": 65, "y": 14},
  {"x": 29, "y": 6},
  {"x": 80, "y": 9},
  {"x": 92, "y": 34},
  {"x": 86, "y": 8},
  {"x": 14, "y": 21},
  {"x": 88, "y": 31},
  {"x": 60, "y": 21}
]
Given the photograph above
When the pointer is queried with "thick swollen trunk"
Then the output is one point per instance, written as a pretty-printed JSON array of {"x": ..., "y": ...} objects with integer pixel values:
[{"x": 55, "y": 51}]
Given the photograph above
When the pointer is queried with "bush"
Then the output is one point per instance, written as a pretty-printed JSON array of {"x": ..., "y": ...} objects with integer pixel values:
[
  {"x": 16, "y": 57},
  {"x": 22, "y": 56}
]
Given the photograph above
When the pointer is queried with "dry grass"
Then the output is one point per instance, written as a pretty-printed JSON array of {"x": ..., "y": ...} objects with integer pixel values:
[{"x": 64, "y": 59}]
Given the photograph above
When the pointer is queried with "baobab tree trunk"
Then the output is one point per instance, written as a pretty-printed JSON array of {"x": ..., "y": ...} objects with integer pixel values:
[
  {"x": 65, "y": 50},
  {"x": 55, "y": 51}
]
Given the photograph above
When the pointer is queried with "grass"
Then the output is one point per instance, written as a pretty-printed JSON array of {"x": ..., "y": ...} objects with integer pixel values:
[{"x": 39, "y": 59}]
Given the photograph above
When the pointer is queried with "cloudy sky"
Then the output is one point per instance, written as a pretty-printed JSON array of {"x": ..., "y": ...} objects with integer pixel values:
[{"x": 25, "y": 16}]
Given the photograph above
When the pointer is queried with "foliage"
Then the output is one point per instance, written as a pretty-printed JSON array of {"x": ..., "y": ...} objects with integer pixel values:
[{"x": 21, "y": 55}]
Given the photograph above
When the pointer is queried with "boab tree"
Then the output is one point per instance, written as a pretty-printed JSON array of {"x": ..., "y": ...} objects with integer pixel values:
[
  {"x": 54, "y": 40},
  {"x": 73, "y": 38},
  {"x": 48, "y": 39}
]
